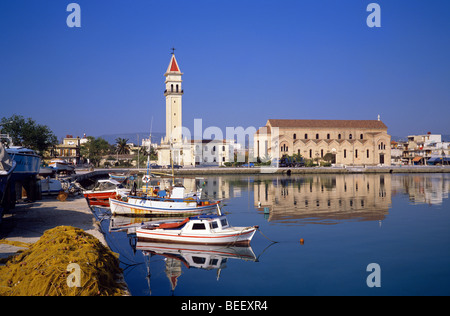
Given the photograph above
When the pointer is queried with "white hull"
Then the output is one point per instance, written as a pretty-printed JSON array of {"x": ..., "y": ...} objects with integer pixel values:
[
  {"x": 232, "y": 236},
  {"x": 149, "y": 206},
  {"x": 202, "y": 229}
]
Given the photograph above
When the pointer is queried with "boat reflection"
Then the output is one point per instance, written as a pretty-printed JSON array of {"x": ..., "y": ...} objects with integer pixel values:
[{"x": 206, "y": 257}]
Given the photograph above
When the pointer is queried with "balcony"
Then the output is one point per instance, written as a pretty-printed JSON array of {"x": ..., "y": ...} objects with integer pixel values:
[{"x": 166, "y": 92}]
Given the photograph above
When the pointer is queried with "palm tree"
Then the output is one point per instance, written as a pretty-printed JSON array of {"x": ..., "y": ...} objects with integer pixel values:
[{"x": 122, "y": 147}]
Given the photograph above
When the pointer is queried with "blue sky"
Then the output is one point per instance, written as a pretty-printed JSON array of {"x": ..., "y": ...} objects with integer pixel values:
[{"x": 243, "y": 61}]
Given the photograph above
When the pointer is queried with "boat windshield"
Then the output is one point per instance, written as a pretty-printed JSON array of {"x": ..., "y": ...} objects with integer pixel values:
[
  {"x": 223, "y": 222},
  {"x": 213, "y": 225}
]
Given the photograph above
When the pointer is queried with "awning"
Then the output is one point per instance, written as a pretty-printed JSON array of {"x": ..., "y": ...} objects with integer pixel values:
[{"x": 417, "y": 159}]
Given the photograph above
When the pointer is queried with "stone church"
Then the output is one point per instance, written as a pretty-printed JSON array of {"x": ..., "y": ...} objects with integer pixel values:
[{"x": 350, "y": 142}]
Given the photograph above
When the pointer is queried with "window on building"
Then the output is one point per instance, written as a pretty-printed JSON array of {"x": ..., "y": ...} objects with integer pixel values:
[
  {"x": 310, "y": 153},
  {"x": 345, "y": 153},
  {"x": 339, "y": 136},
  {"x": 361, "y": 136},
  {"x": 223, "y": 147},
  {"x": 328, "y": 136},
  {"x": 317, "y": 136},
  {"x": 171, "y": 88},
  {"x": 298, "y": 152},
  {"x": 177, "y": 88},
  {"x": 367, "y": 153},
  {"x": 350, "y": 136},
  {"x": 295, "y": 136},
  {"x": 306, "y": 136},
  {"x": 356, "y": 153},
  {"x": 321, "y": 153},
  {"x": 214, "y": 148}
]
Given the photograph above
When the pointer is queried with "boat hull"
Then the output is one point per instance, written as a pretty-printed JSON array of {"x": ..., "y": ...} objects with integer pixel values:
[
  {"x": 100, "y": 198},
  {"x": 27, "y": 165},
  {"x": 238, "y": 236},
  {"x": 161, "y": 207}
]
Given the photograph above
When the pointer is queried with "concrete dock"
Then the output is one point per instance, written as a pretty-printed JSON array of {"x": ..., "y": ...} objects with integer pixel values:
[{"x": 28, "y": 221}]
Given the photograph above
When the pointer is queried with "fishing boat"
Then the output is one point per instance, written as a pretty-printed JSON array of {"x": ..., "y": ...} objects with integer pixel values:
[
  {"x": 62, "y": 166},
  {"x": 28, "y": 162},
  {"x": 211, "y": 229},
  {"x": 7, "y": 167},
  {"x": 103, "y": 191},
  {"x": 50, "y": 186},
  {"x": 169, "y": 205}
]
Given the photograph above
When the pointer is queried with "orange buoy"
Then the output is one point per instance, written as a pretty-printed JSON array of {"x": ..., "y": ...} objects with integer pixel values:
[{"x": 302, "y": 241}]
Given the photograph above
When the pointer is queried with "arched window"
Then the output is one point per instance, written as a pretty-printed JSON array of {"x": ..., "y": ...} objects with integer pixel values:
[
  {"x": 306, "y": 136},
  {"x": 295, "y": 136},
  {"x": 350, "y": 136},
  {"x": 171, "y": 88},
  {"x": 317, "y": 136},
  {"x": 328, "y": 136},
  {"x": 339, "y": 136},
  {"x": 361, "y": 136},
  {"x": 177, "y": 88}
]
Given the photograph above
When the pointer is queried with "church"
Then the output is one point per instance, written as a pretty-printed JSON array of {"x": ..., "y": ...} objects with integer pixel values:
[
  {"x": 350, "y": 142},
  {"x": 181, "y": 150}
]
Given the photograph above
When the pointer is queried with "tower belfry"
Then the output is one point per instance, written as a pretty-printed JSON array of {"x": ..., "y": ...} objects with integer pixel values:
[{"x": 173, "y": 94}]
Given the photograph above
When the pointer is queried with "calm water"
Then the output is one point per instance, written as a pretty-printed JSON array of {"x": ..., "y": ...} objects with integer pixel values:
[{"x": 400, "y": 222}]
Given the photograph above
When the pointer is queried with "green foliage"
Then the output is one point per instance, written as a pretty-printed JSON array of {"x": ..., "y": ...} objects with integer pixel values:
[
  {"x": 27, "y": 133},
  {"x": 122, "y": 147},
  {"x": 94, "y": 149}
]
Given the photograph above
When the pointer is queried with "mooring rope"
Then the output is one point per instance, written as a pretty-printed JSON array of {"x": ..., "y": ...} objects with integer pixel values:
[{"x": 266, "y": 236}]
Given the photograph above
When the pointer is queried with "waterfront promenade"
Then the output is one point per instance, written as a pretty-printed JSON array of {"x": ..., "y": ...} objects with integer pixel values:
[{"x": 203, "y": 171}]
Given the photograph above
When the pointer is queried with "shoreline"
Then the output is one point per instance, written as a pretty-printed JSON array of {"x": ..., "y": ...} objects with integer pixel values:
[{"x": 266, "y": 170}]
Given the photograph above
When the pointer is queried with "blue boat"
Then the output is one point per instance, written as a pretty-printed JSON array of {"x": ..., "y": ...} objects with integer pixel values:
[
  {"x": 28, "y": 162},
  {"x": 7, "y": 167},
  {"x": 27, "y": 168}
]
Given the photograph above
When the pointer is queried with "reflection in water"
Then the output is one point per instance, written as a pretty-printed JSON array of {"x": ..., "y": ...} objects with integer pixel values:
[
  {"x": 423, "y": 189},
  {"x": 192, "y": 256},
  {"x": 324, "y": 198}
]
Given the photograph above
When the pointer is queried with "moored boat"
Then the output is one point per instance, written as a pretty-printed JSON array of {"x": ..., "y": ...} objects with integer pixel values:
[
  {"x": 28, "y": 162},
  {"x": 142, "y": 205},
  {"x": 103, "y": 191},
  {"x": 201, "y": 229},
  {"x": 7, "y": 167}
]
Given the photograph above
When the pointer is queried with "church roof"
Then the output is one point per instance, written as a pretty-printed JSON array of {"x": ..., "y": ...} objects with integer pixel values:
[
  {"x": 173, "y": 65},
  {"x": 371, "y": 124}
]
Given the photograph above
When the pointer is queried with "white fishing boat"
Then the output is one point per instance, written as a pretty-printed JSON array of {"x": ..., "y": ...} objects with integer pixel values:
[
  {"x": 201, "y": 229},
  {"x": 142, "y": 205},
  {"x": 50, "y": 186}
]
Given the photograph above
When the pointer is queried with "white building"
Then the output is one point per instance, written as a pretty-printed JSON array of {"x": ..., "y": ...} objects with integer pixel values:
[{"x": 184, "y": 151}]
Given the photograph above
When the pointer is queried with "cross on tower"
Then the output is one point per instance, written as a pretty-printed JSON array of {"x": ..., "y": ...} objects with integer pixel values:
[{"x": 173, "y": 50}]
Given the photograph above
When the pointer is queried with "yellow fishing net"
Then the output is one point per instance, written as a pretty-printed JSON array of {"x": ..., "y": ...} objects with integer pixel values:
[{"x": 65, "y": 261}]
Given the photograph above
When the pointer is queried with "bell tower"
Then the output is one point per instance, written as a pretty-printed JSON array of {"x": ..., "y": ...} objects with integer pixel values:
[{"x": 173, "y": 94}]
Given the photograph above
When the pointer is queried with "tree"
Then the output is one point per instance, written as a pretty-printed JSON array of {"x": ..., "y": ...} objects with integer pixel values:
[
  {"x": 122, "y": 147},
  {"x": 94, "y": 149},
  {"x": 26, "y": 133}
]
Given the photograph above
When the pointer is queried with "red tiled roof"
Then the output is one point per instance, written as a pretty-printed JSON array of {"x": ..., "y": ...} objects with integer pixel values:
[{"x": 369, "y": 124}]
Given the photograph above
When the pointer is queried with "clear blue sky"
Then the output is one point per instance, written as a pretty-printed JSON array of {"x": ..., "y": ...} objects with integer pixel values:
[{"x": 243, "y": 61}]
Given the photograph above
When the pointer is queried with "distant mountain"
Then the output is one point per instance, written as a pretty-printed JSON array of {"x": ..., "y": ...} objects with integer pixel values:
[{"x": 132, "y": 137}]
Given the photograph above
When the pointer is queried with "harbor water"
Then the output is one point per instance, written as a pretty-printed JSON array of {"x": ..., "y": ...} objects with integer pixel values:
[{"x": 356, "y": 234}]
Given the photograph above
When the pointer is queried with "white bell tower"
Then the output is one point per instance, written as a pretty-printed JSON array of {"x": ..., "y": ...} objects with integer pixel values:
[{"x": 173, "y": 94}]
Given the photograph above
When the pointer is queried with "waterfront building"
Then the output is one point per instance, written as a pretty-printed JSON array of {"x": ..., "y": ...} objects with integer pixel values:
[
  {"x": 182, "y": 150},
  {"x": 349, "y": 142},
  {"x": 69, "y": 149},
  {"x": 421, "y": 148}
]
